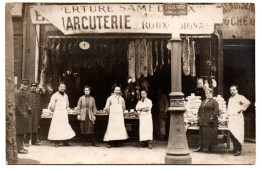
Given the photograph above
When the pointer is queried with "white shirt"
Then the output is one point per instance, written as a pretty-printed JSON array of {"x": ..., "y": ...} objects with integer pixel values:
[
  {"x": 147, "y": 103},
  {"x": 236, "y": 104}
]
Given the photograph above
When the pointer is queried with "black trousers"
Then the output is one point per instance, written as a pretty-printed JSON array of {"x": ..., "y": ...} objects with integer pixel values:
[
  {"x": 28, "y": 137},
  {"x": 19, "y": 141},
  {"x": 236, "y": 144}
]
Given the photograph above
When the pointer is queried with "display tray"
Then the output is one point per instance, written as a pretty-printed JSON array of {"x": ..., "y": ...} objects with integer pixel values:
[{"x": 49, "y": 115}]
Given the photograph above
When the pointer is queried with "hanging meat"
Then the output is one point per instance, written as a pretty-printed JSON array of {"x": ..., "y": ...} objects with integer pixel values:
[
  {"x": 65, "y": 48},
  {"x": 150, "y": 57},
  {"x": 45, "y": 69},
  {"x": 70, "y": 47},
  {"x": 76, "y": 55},
  {"x": 192, "y": 59},
  {"x": 156, "y": 55},
  {"x": 59, "y": 52},
  {"x": 145, "y": 85},
  {"x": 137, "y": 59},
  {"x": 162, "y": 54},
  {"x": 169, "y": 57},
  {"x": 53, "y": 52},
  {"x": 185, "y": 56},
  {"x": 144, "y": 59},
  {"x": 131, "y": 61}
]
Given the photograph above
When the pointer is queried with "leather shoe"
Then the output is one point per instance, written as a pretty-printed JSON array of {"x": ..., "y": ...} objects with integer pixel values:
[
  {"x": 199, "y": 149},
  {"x": 84, "y": 144},
  {"x": 141, "y": 144},
  {"x": 26, "y": 144},
  {"x": 94, "y": 144},
  {"x": 36, "y": 143},
  {"x": 109, "y": 146},
  {"x": 66, "y": 144},
  {"x": 22, "y": 151},
  {"x": 237, "y": 153},
  {"x": 56, "y": 144},
  {"x": 150, "y": 145}
]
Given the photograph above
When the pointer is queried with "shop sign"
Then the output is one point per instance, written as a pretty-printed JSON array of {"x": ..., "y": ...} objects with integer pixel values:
[
  {"x": 238, "y": 20},
  {"x": 125, "y": 18},
  {"x": 175, "y": 9}
]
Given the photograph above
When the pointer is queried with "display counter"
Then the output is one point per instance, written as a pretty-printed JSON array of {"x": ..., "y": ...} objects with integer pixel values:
[{"x": 131, "y": 124}]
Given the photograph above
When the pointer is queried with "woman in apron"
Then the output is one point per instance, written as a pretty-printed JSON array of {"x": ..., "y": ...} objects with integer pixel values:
[
  {"x": 86, "y": 111},
  {"x": 144, "y": 107},
  {"x": 116, "y": 130}
]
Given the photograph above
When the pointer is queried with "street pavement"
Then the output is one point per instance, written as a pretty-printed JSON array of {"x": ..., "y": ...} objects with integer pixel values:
[{"x": 129, "y": 153}]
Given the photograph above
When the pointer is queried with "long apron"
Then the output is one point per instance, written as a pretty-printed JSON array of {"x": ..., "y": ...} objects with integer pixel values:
[
  {"x": 116, "y": 125},
  {"x": 236, "y": 126},
  {"x": 60, "y": 128},
  {"x": 146, "y": 126}
]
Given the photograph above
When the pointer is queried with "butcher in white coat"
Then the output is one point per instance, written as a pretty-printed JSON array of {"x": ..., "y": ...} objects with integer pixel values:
[
  {"x": 116, "y": 130},
  {"x": 60, "y": 129},
  {"x": 144, "y": 107},
  {"x": 237, "y": 104}
]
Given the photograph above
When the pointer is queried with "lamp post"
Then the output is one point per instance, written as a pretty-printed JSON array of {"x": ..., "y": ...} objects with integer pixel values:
[{"x": 177, "y": 149}]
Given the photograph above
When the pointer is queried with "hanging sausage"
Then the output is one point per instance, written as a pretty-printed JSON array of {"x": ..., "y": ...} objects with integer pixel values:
[
  {"x": 70, "y": 47},
  {"x": 156, "y": 55},
  {"x": 143, "y": 54},
  {"x": 168, "y": 57},
  {"x": 162, "y": 54},
  {"x": 59, "y": 52},
  {"x": 53, "y": 52},
  {"x": 137, "y": 59},
  {"x": 150, "y": 57},
  {"x": 192, "y": 59},
  {"x": 185, "y": 57},
  {"x": 131, "y": 61}
]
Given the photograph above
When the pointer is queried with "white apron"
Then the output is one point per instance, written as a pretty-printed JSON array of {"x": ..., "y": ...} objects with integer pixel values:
[
  {"x": 236, "y": 117},
  {"x": 60, "y": 128},
  {"x": 116, "y": 125},
  {"x": 146, "y": 126},
  {"x": 236, "y": 126}
]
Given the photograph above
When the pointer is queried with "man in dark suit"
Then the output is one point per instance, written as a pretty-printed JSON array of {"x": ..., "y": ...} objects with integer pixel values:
[
  {"x": 22, "y": 110},
  {"x": 35, "y": 103}
]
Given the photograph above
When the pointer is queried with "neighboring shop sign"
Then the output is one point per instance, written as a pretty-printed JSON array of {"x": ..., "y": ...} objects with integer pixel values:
[
  {"x": 175, "y": 9},
  {"x": 125, "y": 18},
  {"x": 239, "y": 21}
]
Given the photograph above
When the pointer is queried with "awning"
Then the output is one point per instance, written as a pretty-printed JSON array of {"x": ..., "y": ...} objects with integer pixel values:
[{"x": 125, "y": 18}]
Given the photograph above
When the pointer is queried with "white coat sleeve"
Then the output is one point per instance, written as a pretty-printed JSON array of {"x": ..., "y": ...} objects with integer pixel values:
[
  {"x": 51, "y": 105},
  {"x": 149, "y": 105},
  {"x": 138, "y": 106},
  {"x": 244, "y": 103},
  {"x": 107, "y": 107}
]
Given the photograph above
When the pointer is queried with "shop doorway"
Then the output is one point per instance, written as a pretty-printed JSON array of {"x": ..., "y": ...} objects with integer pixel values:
[{"x": 239, "y": 69}]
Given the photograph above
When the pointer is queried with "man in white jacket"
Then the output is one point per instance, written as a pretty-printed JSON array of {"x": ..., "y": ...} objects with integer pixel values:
[
  {"x": 116, "y": 130},
  {"x": 237, "y": 104},
  {"x": 60, "y": 129}
]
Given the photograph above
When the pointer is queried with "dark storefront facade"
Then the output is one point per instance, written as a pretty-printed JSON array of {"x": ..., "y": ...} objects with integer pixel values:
[
  {"x": 239, "y": 56},
  {"x": 107, "y": 58}
]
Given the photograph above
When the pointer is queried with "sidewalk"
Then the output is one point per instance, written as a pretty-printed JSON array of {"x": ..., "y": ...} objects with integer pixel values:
[{"x": 128, "y": 153}]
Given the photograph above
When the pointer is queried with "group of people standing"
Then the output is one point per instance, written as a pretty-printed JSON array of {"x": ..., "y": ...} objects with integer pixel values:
[
  {"x": 60, "y": 129},
  {"x": 28, "y": 109},
  {"x": 208, "y": 120}
]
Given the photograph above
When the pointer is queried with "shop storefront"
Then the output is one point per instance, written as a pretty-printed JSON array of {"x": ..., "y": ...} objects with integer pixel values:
[
  {"x": 127, "y": 44},
  {"x": 239, "y": 56}
]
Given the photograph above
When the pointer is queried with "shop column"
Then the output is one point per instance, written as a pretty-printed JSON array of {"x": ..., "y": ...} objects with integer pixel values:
[{"x": 177, "y": 149}]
